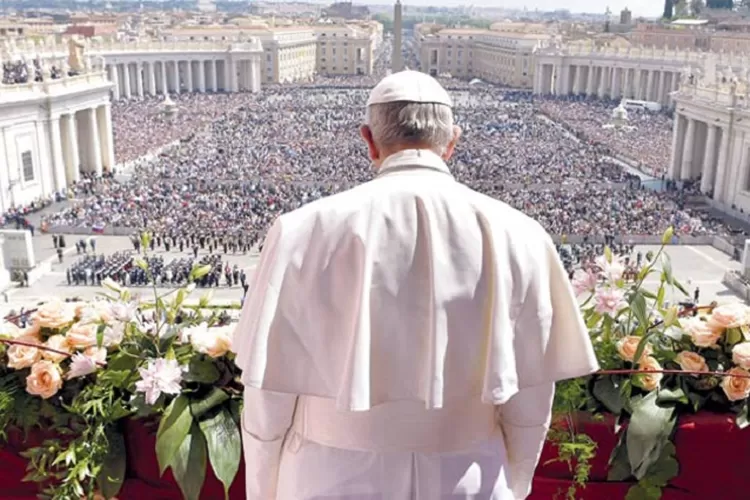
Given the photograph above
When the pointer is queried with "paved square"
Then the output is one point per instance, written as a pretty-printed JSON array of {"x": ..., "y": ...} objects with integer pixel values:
[{"x": 694, "y": 266}]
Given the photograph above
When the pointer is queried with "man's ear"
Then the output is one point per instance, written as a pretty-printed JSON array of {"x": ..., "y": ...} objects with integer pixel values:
[
  {"x": 372, "y": 149},
  {"x": 452, "y": 145}
]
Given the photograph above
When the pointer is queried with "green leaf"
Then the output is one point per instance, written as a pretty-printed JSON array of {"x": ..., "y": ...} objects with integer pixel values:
[
  {"x": 202, "y": 370},
  {"x": 593, "y": 320},
  {"x": 200, "y": 271},
  {"x": 173, "y": 427},
  {"x": 607, "y": 390},
  {"x": 641, "y": 347},
  {"x": 666, "y": 268},
  {"x": 608, "y": 254},
  {"x": 666, "y": 468},
  {"x": 649, "y": 430},
  {"x": 189, "y": 464},
  {"x": 112, "y": 473},
  {"x": 670, "y": 316},
  {"x": 138, "y": 261},
  {"x": 643, "y": 492},
  {"x": 638, "y": 305},
  {"x": 224, "y": 448},
  {"x": 199, "y": 407},
  {"x": 667, "y": 236},
  {"x": 676, "y": 395},
  {"x": 100, "y": 335},
  {"x": 660, "y": 297},
  {"x": 742, "y": 417},
  {"x": 619, "y": 466}
]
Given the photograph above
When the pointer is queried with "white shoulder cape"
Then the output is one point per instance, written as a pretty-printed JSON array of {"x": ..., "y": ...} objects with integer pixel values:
[{"x": 410, "y": 287}]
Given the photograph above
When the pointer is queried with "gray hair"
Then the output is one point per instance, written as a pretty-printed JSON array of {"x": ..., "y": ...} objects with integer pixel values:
[{"x": 411, "y": 123}]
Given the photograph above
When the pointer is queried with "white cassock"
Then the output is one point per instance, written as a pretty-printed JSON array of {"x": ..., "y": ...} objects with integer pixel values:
[{"x": 401, "y": 342}]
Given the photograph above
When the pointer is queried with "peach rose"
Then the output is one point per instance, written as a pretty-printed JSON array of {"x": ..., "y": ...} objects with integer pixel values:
[
  {"x": 33, "y": 331},
  {"x": 691, "y": 362},
  {"x": 736, "y": 388},
  {"x": 214, "y": 342},
  {"x": 627, "y": 346},
  {"x": 700, "y": 332},
  {"x": 44, "y": 380},
  {"x": 729, "y": 316},
  {"x": 94, "y": 312},
  {"x": 58, "y": 343},
  {"x": 54, "y": 314},
  {"x": 23, "y": 356},
  {"x": 81, "y": 336},
  {"x": 649, "y": 381},
  {"x": 741, "y": 355},
  {"x": 98, "y": 354}
]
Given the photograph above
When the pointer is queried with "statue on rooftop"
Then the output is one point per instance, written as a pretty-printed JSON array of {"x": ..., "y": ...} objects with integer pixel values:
[{"x": 75, "y": 55}]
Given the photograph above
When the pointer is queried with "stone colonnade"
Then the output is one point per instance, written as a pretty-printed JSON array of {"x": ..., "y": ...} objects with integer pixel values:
[
  {"x": 82, "y": 142},
  {"x": 611, "y": 80},
  {"x": 151, "y": 77}
]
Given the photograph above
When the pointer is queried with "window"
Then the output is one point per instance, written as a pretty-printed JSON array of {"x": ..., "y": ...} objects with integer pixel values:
[{"x": 28, "y": 166}]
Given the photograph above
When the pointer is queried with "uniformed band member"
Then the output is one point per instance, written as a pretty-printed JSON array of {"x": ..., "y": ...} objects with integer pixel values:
[{"x": 403, "y": 338}]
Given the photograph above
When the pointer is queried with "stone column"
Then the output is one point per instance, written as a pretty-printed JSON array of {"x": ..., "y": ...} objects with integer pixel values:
[
  {"x": 637, "y": 95},
  {"x": 106, "y": 137},
  {"x": 577, "y": 80},
  {"x": 678, "y": 138},
  {"x": 126, "y": 80},
  {"x": 164, "y": 82},
  {"x": 202, "y": 76},
  {"x": 256, "y": 75},
  {"x": 649, "y": 86},
  {"x": 112, "y": 68},
  {"x": 662, "y": 95},
  {"x": 590, "y": 80},
  {"x": 189, "y": 74},
  {"x": 72, "y": 157},
  {"x": 602, "y": 81},
  {"x": 709, "y": 171},
  {"x": 687, "y": 151},
  {"x": 721, "y": 167},
  {"x": 214, "y": 75},
  {"x": 176, "y": 76},
  {"x": 58, "y": 160},
  {"x": 152, "y": 78},
  {"x": 95, "y": 153},
  {"x": 139, "y": 78}
]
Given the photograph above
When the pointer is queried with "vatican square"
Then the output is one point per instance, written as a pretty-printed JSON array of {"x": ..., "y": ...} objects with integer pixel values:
[{"x": 277, "y": 250}]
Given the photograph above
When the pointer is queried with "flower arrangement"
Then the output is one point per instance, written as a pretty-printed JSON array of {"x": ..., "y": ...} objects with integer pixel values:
[
  {"x": 80, "y": 368},
  {"x": 659, "y": 361}
]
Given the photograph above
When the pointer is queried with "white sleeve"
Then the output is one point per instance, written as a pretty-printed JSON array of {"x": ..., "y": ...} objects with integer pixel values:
[
  {"x": 524, "y": 420},
  {"x": 266, "y": 418}
]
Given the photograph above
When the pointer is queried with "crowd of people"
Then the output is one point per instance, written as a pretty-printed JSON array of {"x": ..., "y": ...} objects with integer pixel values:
[
  {"x": 22, "y": 71},
  {"x": 650, "y": 131},
  {"x": 236, "y": 161}
]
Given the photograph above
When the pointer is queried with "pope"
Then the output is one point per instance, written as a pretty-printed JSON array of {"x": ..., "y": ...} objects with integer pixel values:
[{"x": 402, "y": 339}]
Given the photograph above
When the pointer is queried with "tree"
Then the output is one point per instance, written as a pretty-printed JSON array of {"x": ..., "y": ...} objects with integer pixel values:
[
  {"x": 668, "y": 9},
  {"x": 681, "y": 9},
  {"x": 696, "y": 6}
]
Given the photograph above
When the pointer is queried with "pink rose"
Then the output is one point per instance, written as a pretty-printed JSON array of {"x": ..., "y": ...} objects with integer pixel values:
[
  {"x": 44, "y": 380},
  {"x": 54, "y": 314},
  {"x": 81, "y": 336},
  {"x": 649, "y": 381},
  {"x": 58, "y": 343},
  {"x": 700, "y": 332},
  {"x": 627, "y": 347},
  {"x": 23, "y": 356},
  {"x": 741, "y": 355},
  {"x": 609, "y": 301},
  {"x": 729, "y": 316},
  {"x": 691, "y": 362},
  {"x": 584, "y": 282},
  {"x": 736, "y": 388}
]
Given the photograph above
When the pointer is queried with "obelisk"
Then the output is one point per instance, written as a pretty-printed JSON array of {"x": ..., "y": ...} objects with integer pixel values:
[{"x": 398, "y": 42}]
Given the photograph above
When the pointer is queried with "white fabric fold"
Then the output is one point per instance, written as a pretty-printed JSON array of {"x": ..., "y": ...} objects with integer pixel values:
[{"x": 409, "y": 287}]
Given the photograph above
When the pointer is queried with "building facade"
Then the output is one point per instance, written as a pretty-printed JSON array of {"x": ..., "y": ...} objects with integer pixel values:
[
  {"x": 501, "y": 57},
  {"x": 711, "y": 139},
  {"x": 344, "y": 49},
  {"x": 617, "y": 73},
  {"x": 51, "y": 132}
]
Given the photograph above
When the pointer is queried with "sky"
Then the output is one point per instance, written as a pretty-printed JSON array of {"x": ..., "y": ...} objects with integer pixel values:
[{"x": 646, "y": 8}]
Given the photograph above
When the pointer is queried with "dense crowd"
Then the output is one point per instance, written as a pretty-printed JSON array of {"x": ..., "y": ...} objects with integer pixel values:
[
  {"x": 237, "y": 161},
  {"x": 651, "y": 132}
]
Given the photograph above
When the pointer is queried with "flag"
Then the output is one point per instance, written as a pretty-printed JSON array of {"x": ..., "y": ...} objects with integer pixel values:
[{"x": 98, "y": 228}]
